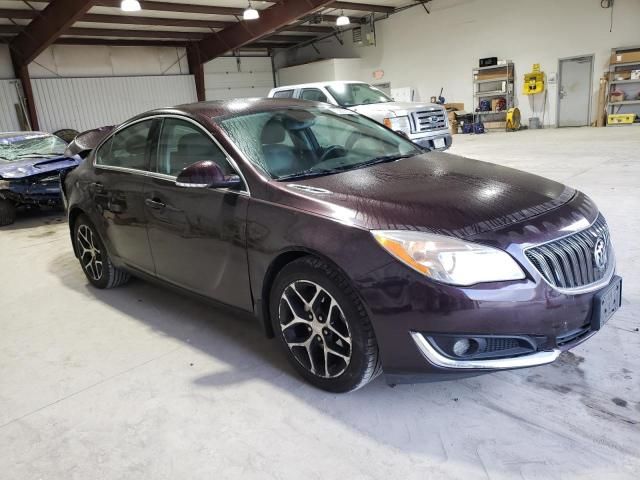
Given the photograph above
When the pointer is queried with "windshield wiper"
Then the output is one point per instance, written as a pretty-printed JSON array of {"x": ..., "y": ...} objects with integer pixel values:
[
  {"x": 312, "y": 172},
  {"x": 38, "y": 154}
]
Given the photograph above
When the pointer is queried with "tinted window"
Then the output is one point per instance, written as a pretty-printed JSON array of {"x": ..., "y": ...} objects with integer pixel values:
[
  {"x": 127, "y": 148},
  {"x": 313, "y": 94},
  {"x": 283, "y": 94},
  {"x": 182, "y": 144}
]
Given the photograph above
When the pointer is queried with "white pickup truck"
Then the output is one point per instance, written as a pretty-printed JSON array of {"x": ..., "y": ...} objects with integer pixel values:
[{"x": 423, "y": 123}]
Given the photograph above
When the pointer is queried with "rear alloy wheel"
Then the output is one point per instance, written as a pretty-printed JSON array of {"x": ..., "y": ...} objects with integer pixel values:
[
  {"x": 94, "y": 259},
  {"x": 323, "y": 326},
  {"x": 7, "y": 212}
]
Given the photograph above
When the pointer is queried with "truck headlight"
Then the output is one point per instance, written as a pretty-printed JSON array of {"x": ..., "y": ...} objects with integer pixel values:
[
  {"x": 398, "y": 123},
  {"x": 447, "y": 259}
]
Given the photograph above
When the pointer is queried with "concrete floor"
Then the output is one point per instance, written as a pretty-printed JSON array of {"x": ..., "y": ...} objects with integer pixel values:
[{"x": 138, "y": 382}]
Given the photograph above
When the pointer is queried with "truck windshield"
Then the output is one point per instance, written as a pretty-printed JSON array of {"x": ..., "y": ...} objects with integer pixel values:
[
  {"x": 352, "y": 94},
  {"x": 31, "y": 146}
]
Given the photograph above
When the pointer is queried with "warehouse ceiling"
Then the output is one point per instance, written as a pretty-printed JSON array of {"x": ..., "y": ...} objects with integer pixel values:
[{"x": 184, "y": 22}]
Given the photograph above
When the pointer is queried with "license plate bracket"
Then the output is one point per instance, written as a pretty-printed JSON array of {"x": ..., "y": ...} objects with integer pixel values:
[{"x": 606, "y": 303}]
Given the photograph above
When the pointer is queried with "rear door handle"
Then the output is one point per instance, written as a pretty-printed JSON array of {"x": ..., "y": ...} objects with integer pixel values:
[
  {"x": 97, "y": 187},
  {"x": 155, "y": 204}
]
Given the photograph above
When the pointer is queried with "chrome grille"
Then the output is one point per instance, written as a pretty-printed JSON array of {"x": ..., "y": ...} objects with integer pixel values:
[
  {"x": 569, "y": 262},
  {"x": 427, "y": 120}
]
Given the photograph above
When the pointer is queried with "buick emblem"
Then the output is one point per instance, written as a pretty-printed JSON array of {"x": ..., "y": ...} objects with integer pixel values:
[{"x": 600, "y": 253}]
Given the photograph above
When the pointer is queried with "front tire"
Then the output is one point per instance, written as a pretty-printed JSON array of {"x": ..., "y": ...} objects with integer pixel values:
[
  {"x": 323, "y": 326},
  {"x": 7, "y": 212},
  {"x": 93, "y": 256}
]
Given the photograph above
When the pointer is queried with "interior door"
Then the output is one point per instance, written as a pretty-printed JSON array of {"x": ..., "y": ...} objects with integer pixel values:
[
  {"x": 197, "y": 235},
  {"x": 575, "y": 92},
  {"x": 117, "y": 191}
]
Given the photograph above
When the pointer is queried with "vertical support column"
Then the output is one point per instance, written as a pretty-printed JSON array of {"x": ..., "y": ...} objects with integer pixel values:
[
  {"x": 196, "y": 68},
  {"x": 22, "y": 72}
]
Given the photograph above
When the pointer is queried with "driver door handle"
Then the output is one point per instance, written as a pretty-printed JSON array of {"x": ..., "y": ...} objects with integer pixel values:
[{"x": 155, "y": 204}]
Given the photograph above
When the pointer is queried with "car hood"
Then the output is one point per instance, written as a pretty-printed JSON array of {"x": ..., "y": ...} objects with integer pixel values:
[
  {"x": 380, "y": 111},
  {"x": 433, "y": 192},
  {"x": 35, "y": 166}
]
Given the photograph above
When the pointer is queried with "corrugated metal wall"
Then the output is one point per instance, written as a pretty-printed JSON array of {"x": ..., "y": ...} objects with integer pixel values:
[
  {"x": 229, "y": 77},
  {"x": 85, "y": 103},
  {"x": 8, "y": 99}
]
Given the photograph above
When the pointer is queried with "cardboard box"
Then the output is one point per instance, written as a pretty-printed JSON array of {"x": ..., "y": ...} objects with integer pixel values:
[
  {"x": 635, "y": 75},
  {"x": 453, "y": 107},
  {"x": 498, "y": 73},
  {"x": 620, "y": 75},
  {"x": 626, "y": 57},
  {"x": 616, "y": 97}
]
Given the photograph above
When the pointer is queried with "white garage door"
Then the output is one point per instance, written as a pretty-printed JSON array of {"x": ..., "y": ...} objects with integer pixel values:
[
  {"x": 85, "y": 103},
  {"x": 8, "y": 101},
  {"x": 242, "y": 77}
]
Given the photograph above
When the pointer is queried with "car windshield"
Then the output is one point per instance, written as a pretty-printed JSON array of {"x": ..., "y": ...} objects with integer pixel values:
[
  {"x": 352, "y": 94},
  {"x": 31, "y": 146},
  {"x": 302, "y": 142}
]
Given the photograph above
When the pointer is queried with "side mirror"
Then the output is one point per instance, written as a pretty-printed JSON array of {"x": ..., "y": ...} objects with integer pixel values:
[{"x": 206, "y": 174}]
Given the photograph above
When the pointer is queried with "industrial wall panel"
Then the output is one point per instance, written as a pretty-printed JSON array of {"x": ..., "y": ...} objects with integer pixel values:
[
  {"x": 8, "y": 100},
  {"x": 243, "y": 77},
  {"x": 85, "y": 103}
]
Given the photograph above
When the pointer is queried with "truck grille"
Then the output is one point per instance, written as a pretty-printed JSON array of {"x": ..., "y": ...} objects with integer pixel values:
[
  {"x": 427, "y": 120},
  {"x": 575, "y": 261}
]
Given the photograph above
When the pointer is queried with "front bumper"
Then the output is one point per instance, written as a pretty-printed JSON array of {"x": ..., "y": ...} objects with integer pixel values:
[{"x": 429, "y": 140}]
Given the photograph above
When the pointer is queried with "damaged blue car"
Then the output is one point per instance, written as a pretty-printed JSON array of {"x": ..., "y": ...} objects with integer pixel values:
[{"x": 30, "y": 168}]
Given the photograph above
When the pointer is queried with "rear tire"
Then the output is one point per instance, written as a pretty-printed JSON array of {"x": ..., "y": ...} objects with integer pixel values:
[
  {"x": 93, "y": 256},
  {"x": 323, "y": 326},
  {"x": 7, "y": 212}
]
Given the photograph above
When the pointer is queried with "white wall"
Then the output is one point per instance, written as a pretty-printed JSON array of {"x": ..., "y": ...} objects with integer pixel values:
[
  {"x": 427, "y": 52},
  {"x": 321, "y": 71}
]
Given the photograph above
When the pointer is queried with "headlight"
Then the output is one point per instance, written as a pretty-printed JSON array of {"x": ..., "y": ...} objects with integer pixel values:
[
  {"x": 49, "y": 179},
  {"x": 4, "y": 184},
  {"x": 398, "y": 123},
  {"x": 447, "y": 259}
]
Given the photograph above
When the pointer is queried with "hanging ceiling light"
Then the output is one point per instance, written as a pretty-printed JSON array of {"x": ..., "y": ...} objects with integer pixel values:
[
  {"x": 130, "y": 6},
  {"x": 342, "y": 20},
  {"x": 251, "y": 13}
]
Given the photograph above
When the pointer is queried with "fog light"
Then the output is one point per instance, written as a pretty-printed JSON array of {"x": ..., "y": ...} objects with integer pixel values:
[{"x": 461, "y": 347}]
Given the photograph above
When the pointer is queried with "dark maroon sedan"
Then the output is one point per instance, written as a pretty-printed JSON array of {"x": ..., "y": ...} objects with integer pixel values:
[{"x": 359, "y": 251}]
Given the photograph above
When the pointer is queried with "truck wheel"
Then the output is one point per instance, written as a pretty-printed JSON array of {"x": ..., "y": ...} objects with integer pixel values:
[{"x": 7, "y": 212}]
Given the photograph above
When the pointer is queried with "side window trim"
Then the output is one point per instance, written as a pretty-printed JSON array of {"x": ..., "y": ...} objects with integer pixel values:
[{"x": 234, "y": 165}]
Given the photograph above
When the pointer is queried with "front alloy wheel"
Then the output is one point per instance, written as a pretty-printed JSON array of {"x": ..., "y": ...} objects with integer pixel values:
[
  {"x": 314, "y": 328},
  {"x": 323, "y": 326}
]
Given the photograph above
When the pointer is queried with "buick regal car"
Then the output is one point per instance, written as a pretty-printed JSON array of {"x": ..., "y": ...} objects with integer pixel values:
[
  {"x": 30, "y": 167},
  {"x": 358, "y": 251}
]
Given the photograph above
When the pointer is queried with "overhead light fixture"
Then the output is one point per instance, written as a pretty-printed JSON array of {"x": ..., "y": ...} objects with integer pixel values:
[
  {"x": 130, "y": 6},
  {"x": 342, "y": 20},
  {"x": 251, "y": 13}
]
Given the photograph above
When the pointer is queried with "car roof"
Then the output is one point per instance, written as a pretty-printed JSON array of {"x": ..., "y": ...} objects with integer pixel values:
[
  {"x": 222, "y": 108},
  {"x": 316, "y": 84}
]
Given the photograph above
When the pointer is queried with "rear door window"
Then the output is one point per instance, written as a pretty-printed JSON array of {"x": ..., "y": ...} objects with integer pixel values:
[
  {"x": 283, "y": 94},
  {"x": 313, "y": 94},
  {"x": 127, "y": 148}
]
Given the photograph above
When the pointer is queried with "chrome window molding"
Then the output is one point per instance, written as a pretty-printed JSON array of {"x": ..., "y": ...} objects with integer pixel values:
[
  {"x": 162, "y": 176},
  {"x": 604, "y": 281},
  {"x": 436, "y": 358}
]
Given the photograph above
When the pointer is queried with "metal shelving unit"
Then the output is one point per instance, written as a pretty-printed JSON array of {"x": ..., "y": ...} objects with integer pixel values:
[
  {"x": 631, "y": 88},
  {"x": 487, "y": 89}
]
